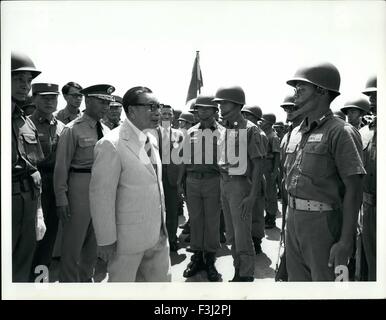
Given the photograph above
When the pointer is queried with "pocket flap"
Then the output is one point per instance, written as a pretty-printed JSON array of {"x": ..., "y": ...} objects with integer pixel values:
[
  {"x": 30, "y": 138},
  {"x": 87, "y": 142},
  {"x": 318, "y": 148}
]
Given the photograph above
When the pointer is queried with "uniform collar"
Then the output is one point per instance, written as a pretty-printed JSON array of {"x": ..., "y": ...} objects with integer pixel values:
[
  {"x": 307, "y": 126},
  {"x": 68, "y": 113},
  {"x": 91, "y": 121},
  {"x": 42, "y": 117}
]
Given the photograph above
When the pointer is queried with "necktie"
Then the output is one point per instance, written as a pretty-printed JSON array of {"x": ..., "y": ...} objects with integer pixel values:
[
  {"x": 148, "y": 151},
  {"x": 99, "y": 130}
]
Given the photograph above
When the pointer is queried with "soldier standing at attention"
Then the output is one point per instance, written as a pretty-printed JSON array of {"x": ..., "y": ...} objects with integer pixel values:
[
  {"x": 203, "y": 189},
  {"x": 271, "y": 169},
  {"x": 355, "y": 110},
  {"x": 45, "y": 96},
  {"x": 71, "y": 184},
  {"x": 27, "y": 216},
  {"x": 71, "y": 93},
  {"x": 324, "y": 177},
  {"x": 255, "y": 114},
  {"x": 240, "y": 179},
  {"x": 369, "y": 140}
]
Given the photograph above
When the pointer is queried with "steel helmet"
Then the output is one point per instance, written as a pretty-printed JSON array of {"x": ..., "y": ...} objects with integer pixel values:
[
  {"x": 288, "y": 101},
  {"x": 371, "y": 85},
  {"x": 253, "y": 110},
  {"x": 269, "y": 117},
  {"x": 187, "y": 116},
  {"x": 324, "y": 75},
  {"x": 21, "y": 62},
  {"x": 360, "y": 103},
  {"x": 190, "y": 105},
  {"x": 233, "y": 94},
  {"x": 205, "y": 101}
]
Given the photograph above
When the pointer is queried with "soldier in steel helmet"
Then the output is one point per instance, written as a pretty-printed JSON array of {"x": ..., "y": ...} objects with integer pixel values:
[
  {"x": 186, "y": 120},
  {"x": 190, "y": 106},
  {"x": 369, "y": 140},
  {"x": 324, "y": 177},
  {"x": 72, "y": 176},
  {"x": 271, "y": 169},
  {"x": 27, "y": 216},
  {"x": 254, "y": 114},
  {"x": 240, "y": 179},
  {"x": 355, "y": 110},
  {"x": 202, "y": 178}
]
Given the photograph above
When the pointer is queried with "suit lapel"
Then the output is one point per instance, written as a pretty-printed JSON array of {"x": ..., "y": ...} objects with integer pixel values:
[{"x": 132, "y": 142}]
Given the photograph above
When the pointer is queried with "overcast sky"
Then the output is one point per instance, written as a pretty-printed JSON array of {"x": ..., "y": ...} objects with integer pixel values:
[{"x": 255, "y": 44}]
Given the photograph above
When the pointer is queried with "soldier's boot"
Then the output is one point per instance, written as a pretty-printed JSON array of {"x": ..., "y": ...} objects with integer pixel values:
[
  {"x": 257, "y": 244},
  {"x": 246, "y": 279},
  {"x": 211, "y": 270},
  {"x": 195, "y": 265},
  {"x": 236, "y": 277}
]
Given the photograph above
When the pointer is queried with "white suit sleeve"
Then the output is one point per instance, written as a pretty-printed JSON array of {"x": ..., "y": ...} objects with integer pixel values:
[{"x": 105, "y": 176}]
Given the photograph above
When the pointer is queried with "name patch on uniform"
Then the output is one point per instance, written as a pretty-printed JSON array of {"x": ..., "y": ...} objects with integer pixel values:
[{"x": 316, "y": 137}]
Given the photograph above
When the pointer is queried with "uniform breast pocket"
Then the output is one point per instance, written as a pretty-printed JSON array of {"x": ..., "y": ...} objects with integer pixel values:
[
  {"x": 316, "y": 160},
  {"x": 86, "y": 148},
  {"x": 31, "y": 147}
]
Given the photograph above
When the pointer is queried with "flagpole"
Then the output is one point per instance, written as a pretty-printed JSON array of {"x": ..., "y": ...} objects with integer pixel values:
[{"x": 198, "y": 63}]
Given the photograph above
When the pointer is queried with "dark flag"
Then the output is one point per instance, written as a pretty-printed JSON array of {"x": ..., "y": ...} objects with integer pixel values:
[{"x": 196, "y": 81}]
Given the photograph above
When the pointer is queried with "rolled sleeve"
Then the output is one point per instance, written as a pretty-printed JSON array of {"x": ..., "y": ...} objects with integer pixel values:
[
  {"x": 257, "y": 147},
  {"x": 348, "y": 154},
  {"x": 103, "y": 189}
]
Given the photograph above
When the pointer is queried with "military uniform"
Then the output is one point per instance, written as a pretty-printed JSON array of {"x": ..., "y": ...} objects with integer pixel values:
[
  {"x": 49, "y": 130},
  {"x": 235, "y": 186},
  {"x": 26, "y": 153},
  {"x": 369, "y": 233},
  {"x": 318, "y": 156},
  {"x": 271, "y": 191},
  {"x": 71, "y": 184},
  {"x": 203, "y": 193},
  {"x": 66, "y": 116}
]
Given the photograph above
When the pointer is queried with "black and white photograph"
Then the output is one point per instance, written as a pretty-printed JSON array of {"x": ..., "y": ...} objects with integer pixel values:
[{"x": 192, "y": 150}]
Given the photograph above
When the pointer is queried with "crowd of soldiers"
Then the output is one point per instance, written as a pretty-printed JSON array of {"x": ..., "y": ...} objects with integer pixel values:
[{"x": 321, "y": 167}]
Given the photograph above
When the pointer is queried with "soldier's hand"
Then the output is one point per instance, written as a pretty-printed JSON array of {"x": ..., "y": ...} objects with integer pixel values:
[
  {"x": 247, "y": 206},
  {"x": 36, "y": 178},
  {"x": 340, "y": 254},
  {"x": 40, "y": 225},
  {"x": 108, "y": 252},
  {"x": 181, "y": 190},
  {"x": 63, "y": 213}
]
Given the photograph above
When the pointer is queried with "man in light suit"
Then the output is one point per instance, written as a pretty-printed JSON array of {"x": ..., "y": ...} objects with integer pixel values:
[{"x": 127, "y": 200}]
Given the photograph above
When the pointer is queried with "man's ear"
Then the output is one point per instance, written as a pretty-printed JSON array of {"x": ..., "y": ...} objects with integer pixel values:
[{"x": 321, "y": 91}]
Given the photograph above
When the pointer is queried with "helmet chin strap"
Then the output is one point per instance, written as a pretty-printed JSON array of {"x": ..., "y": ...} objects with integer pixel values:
[{"x": 300, "y": 105}]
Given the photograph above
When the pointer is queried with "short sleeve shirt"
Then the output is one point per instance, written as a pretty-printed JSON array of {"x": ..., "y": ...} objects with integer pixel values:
[
  {"x": 203, "y": 153},
  {"x": 369, "y": 139},
  {"x": 49, "y": 130},
  {"x": 26, "y": 148},
  {"x": 241, "y": 145},
  {"x": 66, "y": 116},
  {"x": 319, "y": 156}
]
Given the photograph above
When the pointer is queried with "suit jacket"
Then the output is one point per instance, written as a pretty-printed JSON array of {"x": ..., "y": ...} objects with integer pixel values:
[
  {"x": 170, "y": 169},
  {"x": 126, "y": 195}
]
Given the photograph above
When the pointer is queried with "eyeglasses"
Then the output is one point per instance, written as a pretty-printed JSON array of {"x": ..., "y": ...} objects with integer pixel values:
[{"x": 153, "y": 106}]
